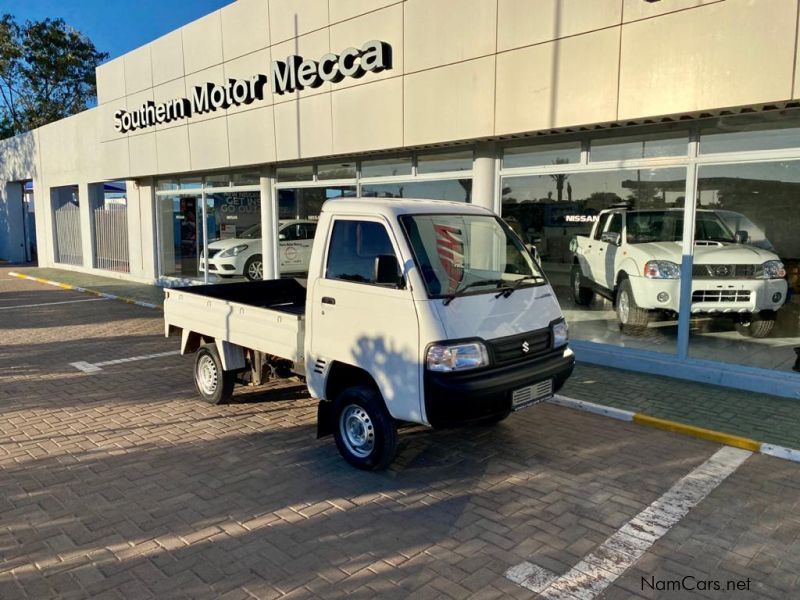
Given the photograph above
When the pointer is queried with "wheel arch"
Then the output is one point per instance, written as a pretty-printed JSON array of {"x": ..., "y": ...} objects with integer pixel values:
[{"x": 342, "y": 375}]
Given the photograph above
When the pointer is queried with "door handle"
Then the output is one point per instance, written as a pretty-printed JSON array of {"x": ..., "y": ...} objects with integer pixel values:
[{"x": 328, "y": 300}]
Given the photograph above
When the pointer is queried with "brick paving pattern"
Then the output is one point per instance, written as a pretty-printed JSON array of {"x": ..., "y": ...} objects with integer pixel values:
[
  {"x": 761, "y": 417},
  {"x": 121, "y": 484}
]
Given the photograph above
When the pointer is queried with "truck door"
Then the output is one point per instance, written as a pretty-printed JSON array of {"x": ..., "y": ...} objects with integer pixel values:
[
  {"x": 358, "y": 322},
  {"x": 608, "y": 250},
  {"x": 594, "y": 252}
]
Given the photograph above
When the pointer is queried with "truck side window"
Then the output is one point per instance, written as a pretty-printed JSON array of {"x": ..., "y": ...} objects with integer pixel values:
[
  {"x": 601, "y": 225},
  {"x": 616, "y": 224},
  {"x": 353, "y": 248}
]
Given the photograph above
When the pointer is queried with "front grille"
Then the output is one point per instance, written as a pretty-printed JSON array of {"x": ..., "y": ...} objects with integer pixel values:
[
  {"x": 721, "y": 296},
  {"x": 513, "y": 348},
  {"x": 319, "y": 366},
  {"x": 724, "y": 271}
]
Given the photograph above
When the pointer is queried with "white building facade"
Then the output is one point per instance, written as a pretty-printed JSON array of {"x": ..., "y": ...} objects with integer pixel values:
[{"x": 545, "y": 111}]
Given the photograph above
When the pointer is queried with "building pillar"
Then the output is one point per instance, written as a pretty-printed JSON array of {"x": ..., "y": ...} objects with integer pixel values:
[
  {"x": 269, "y": 226},
  {"x": 484, "y": 172},
  {"x": 143, "y": 192}
]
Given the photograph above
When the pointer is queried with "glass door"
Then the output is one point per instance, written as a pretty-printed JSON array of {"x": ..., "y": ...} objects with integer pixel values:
[{"x": 179, "y": 238}]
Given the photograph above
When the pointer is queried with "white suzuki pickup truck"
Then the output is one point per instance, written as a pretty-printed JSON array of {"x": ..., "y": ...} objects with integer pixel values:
[
  {"x": 415, "y": 311},
  {"x": 633, "y": 257}
]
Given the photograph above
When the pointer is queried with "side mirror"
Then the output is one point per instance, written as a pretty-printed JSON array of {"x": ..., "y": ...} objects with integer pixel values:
[
  {"x": 281, "y": 236},
  {"x": 387, "y": 271},
  {"x": 611, "y": 237},
  {"x": 741, "y": 237}
]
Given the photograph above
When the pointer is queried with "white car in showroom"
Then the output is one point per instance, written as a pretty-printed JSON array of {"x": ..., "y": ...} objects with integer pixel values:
[
  {"x": 241, "y": 256},
  {"x": 633, "y": 258}
]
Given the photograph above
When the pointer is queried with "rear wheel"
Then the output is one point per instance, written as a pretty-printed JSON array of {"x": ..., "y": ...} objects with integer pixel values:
[
  {"x": 254, "y": 268},
  {"x": 581, "y": 294},
  {"x": 365, "y": 432},
  {"x": 760, "y": 325},
  {"x": 632, "y": 319},
  {"x": 212, "y": 383}
]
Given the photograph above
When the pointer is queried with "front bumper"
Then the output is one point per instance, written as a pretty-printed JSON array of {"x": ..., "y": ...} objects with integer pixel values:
[
  {"x": 712, "y": 295},
  {"x": 459, "y": 398},
  {"x": 223, "y": 266}
]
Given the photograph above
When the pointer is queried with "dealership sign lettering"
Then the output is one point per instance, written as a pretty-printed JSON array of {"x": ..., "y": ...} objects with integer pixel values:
[{"x": 293, "y": 74}]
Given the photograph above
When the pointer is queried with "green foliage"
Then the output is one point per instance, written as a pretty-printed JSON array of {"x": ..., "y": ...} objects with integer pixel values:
[{"x": 46, "y": 73}]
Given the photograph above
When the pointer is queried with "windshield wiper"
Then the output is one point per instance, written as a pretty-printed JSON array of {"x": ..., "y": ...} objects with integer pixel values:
[
  {"x": 460, "y": 291},
  {"x": 507, "y": 290}
]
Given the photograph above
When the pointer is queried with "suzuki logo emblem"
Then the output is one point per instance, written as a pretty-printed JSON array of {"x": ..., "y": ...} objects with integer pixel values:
[{"x": 525, "y": 346}]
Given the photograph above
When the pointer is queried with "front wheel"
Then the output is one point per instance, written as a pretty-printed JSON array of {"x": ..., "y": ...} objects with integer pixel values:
[
  {"x": 212, "y": 383},
  {"x": 632, "y": 318},
  {"x": 760, "y": 325},
  {"x": 582, "y": 295},
  {"x": 254, "y": 268},
  {"x": 365, "y": 432}
]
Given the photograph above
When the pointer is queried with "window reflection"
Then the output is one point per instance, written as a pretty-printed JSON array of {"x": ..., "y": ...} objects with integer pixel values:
[
  {"x": 554, "y": 212},
  {"x": 445, "y": 189}
]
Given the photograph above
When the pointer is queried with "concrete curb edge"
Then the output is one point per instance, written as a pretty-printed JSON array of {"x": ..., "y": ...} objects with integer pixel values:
[
  {"x": 66, "y": 286},
  {"x": 719, "y": 437}
]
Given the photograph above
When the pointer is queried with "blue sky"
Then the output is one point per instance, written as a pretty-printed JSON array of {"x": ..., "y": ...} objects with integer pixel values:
[{"x": 115, "y": 26}]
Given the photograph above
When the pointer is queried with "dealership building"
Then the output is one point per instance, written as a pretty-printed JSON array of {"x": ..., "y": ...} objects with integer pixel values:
[{"x": 240, "y": 125}]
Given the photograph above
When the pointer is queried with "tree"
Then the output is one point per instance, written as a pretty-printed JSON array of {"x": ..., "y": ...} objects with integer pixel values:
[
  {"x": 561, "y": 179},
  {"x": 46, "y": 73}
]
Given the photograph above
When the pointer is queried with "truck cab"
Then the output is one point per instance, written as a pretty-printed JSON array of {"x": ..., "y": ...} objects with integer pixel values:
[{"x": 417, "y": 311}]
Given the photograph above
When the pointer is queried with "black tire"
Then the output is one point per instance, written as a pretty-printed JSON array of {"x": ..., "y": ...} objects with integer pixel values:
[
  {"x": 365, "y": 432},
  {"x": 582, "y": 295},
  {"x": 760, "y": 325},
  {"x": 632, "y": 319},
  {"x": 254, "y": 268},
  {"x": 213, "y": 384}
]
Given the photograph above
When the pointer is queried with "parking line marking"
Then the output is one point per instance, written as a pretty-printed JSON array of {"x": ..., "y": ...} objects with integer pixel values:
[
  {"x": 88, "y": 367},
  {"x": 51, "y": 303},
  {"x": 612, "y": 558}
]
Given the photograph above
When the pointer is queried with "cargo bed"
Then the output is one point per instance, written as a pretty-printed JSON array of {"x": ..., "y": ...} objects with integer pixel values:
[{"x": 265, "y": 316}]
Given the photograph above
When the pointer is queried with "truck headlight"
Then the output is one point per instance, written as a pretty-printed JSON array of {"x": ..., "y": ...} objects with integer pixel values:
[
  {"x": 560, "y": 334},
  {"x": 772, "y": 269},
  {"x": 662, "y": 269},
  {"x": 235, "y": 251},
  {"x": 458, "y": 357}
]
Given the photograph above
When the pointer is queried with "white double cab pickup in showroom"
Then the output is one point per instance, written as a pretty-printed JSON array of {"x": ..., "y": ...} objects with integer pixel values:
[
  {"x": 416, "y": 311},
  {"x": 633, "y": 257}
]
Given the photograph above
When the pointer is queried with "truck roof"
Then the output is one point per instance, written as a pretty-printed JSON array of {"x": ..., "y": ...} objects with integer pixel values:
[{"x": 393, "y": 207}]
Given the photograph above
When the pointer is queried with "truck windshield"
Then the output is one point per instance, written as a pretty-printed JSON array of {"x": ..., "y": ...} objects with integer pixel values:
[
  {"x": 477, "y": 253},
  {"x": 667, "y": 226}
]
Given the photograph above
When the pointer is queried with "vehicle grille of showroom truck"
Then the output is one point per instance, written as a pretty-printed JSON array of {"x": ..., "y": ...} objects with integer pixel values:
[
  {"x": 414, "y": 311},
  {"x": 633, "y": 257}
]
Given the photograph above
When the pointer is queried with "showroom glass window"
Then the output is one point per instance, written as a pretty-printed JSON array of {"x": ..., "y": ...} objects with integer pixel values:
[
  {"x": 746, "y": 281},
  {"x": 231, "y": 203},
  {"x": 555, "y": 209}
]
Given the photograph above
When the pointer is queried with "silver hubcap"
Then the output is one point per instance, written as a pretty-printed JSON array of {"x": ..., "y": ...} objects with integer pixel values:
[
  {"x": 577, "y": 284},
  {"x": 256, "y": 270},
  {"x": 206, "y": 375},
  {"x": 357, "y": 431},
  {"x": 624, "y": 307}
]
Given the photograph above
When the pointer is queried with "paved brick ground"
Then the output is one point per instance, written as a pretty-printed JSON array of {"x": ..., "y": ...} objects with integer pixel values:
[
  {"x": 759, "y": 416},
  {"x": 121, "y": 484}
]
